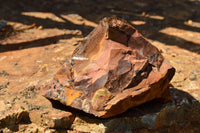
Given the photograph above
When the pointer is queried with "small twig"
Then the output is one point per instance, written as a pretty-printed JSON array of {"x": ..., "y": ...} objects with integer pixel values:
[{"x": 27, "y": 27}]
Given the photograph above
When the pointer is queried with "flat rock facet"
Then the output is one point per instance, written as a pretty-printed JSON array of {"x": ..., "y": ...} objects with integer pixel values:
[{"x": 113, "y": 69}]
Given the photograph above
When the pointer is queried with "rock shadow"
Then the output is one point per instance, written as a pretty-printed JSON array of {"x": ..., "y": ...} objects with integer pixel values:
[
  {"x": 155, "y": 16},
  {"x": 179, "y": 98},
  {"x": 34, "y": 43}
]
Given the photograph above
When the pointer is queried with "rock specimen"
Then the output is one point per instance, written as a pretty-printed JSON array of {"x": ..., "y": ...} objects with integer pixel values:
[{"x": 113, "y": 69}]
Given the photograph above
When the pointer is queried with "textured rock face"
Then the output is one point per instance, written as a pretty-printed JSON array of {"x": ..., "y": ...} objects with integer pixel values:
[{"x": 112, "y": 70}]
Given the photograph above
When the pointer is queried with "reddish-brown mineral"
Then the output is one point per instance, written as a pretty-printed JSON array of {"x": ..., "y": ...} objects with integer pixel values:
[{"x": 112, "y": 70}]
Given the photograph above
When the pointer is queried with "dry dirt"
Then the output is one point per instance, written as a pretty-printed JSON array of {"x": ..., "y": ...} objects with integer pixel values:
[{"x": 41, "y": 35}]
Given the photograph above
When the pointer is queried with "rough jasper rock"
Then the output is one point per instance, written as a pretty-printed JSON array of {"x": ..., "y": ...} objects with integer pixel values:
[{"x": 113, "y": 69}]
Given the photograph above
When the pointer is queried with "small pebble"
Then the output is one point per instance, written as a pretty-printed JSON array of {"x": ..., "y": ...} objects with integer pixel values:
[
  {"x": 192, "y": 77},
  {"x": 179, "y": 85},
  {"x": 3, "y": 24},
  {"x": 173, "y": 55},
  {"x": 178, "y": 71},
  {"x": 40, "y": 27},
  {"x": 4, "y": 73},
  {"x": 195, "y": 71},
  {"x": 189, "y": 21}
]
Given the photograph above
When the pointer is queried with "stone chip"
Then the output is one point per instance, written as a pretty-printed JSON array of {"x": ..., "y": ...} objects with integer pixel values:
[{"x": 113, "y": 69}]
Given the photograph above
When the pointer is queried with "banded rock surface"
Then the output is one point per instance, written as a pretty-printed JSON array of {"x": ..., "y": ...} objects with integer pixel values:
[{"x": 113, "y": 69}]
